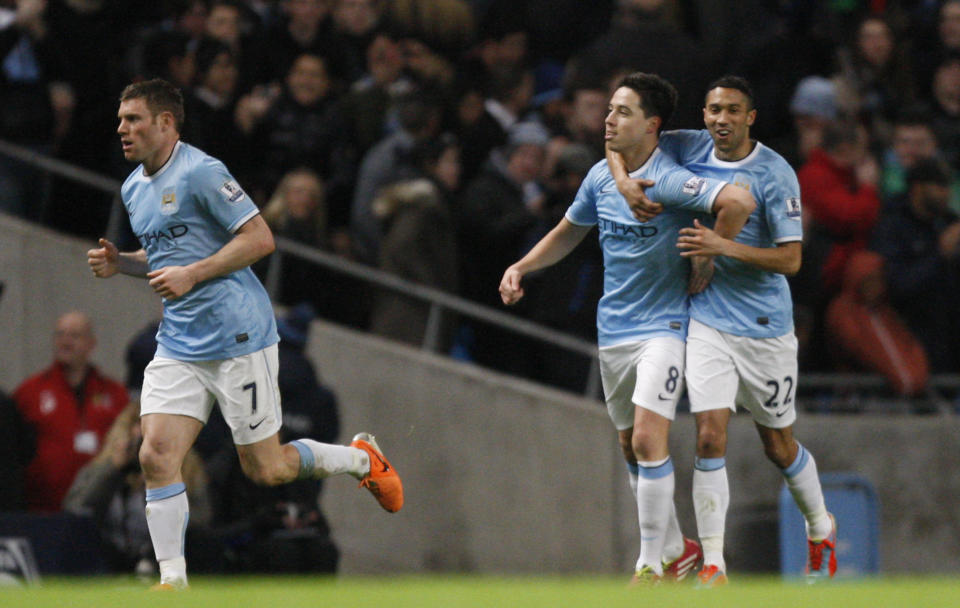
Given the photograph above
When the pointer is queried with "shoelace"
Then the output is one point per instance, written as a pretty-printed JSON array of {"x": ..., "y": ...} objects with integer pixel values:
[{"x": 816, "y": 555}]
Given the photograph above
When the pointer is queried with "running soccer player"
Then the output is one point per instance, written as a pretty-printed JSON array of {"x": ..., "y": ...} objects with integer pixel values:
[
  {"x": 741, "y": 349},
  {"x": 642, "y": 316},
  {"x": 218, "y": 339}
]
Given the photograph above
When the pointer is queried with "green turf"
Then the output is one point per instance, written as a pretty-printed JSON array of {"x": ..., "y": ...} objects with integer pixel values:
[{"x": 483, "y": 591}]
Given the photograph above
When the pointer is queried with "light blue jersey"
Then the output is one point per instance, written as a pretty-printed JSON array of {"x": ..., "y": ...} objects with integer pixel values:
[
  {"x": 742, "y": 299},
  {"x": 644, "y": 279},
  {"x": 185, "y": 212}
]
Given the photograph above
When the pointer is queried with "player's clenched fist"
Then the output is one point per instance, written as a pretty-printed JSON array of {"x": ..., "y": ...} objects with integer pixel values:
[
  {"x": 510, "y": 290},
  {"x": 104, "y": 261}
]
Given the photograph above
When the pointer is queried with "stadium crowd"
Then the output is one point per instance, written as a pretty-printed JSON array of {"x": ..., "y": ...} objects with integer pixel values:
[{"x": 440, "y": 139}]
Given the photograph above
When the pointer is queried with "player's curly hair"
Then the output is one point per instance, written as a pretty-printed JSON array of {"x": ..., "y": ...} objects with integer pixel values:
[
  {"x": 160, "y": 95},
  {"x": 657, "y": 96}
]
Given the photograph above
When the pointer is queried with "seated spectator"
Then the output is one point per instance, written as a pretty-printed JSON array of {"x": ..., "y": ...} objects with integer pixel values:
[
  {"x": 69, "y": 406},
  {"x": 17, "y": 445},
  {"x": 418, "y": 245},
  {"x": 875, "y": 69},
  {"x": 302, "y": 127},
  {"x": 298, "y": 211},
  {"x": 304, "y": 27},
  {"x": 839, "y": 186},
  {"x": 110, "y": 489},
  {"x": 419, "y": 116},
  {"x": 920, "y": 239},
  {"x": 812, "y": 107},
  {"x": 945, "y": 118},
  {"x": 210, "y": 107},
  {"x": 279, "y": 529},
  {"x": 869, "y": 335},
  {"x": 913, "y": 139}
]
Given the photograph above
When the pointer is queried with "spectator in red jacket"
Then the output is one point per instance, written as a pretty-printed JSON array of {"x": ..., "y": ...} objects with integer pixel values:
[
  {"x": 839, "y": 186},
  {"x": 868, "y": 334},
  {"x": 70, "y": 405}
]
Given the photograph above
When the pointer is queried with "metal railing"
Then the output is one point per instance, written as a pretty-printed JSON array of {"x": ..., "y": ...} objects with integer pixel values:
[{"x": 850, "y": 392}]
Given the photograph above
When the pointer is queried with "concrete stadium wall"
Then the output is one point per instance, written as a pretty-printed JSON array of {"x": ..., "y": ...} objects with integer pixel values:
[{"x": 503, "y": 475}]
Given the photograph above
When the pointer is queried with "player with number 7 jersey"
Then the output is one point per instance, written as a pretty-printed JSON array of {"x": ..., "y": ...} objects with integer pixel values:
[{"x": 217, "y": 342}]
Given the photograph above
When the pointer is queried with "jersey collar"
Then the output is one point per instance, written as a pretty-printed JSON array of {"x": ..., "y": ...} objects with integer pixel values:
[
  {"x": 159, "y": 172},
  {"x": 731, "y": 164}
]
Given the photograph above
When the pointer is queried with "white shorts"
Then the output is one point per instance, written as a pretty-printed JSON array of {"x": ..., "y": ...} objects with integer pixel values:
[
  {"x": 647, "y": 374},
  {"x": 245, "y": 387},
  {"x": 758, "y": 374}
]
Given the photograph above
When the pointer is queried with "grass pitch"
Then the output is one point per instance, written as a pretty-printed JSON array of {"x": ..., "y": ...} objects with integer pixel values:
[{"x": 483, "y": 591}]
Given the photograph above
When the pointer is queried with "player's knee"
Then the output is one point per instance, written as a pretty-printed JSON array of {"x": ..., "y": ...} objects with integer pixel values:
[
  {"x": 711, "y": 442},
  {"x": 644, "y": 444},
  {"x": 157, "y": 461}
]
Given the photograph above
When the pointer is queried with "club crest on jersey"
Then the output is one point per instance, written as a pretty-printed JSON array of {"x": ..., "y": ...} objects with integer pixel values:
[
  {"x": 168, "y": 202},
  {"x": 232, "y": 192},
  {"x": 693, "y": 186},
  {"x": 793, "y": 207}
]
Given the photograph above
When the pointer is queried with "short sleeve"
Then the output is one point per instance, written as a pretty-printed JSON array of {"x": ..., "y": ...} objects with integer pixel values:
[
  {"x": 218, "y": 193},
  {"x": 583, "y": 209},
  {"x": 782, "y": 204}
]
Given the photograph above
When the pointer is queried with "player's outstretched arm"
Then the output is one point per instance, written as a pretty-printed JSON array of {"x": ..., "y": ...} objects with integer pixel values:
[
  {"x": 251, "y": 242},
  {"x": 548, "y": 251},
  {"x": 732, "y": 207},
  {"x": 106, "y": 261},
  {"x": 632, "y": 189},
  {"x": 784, "y": 259}
]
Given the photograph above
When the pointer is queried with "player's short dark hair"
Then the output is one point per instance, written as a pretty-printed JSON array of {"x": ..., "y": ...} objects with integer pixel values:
[
  {"x": 734, "y": 82},
  {"x": 657, "y": 96},
  {"x": 160, "y": 95}
]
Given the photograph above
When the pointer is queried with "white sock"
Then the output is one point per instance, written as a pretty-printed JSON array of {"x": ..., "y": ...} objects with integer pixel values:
[
  {"x": 318, "y": 460},
  {"x": 673, "y": 540},
  {"x": 654, "y": 507},
  {"x": 804, "y": 485},
  {"x": 168, "y": 512},
  {"x": 711, "y": 497},
  {"x": 633, "y": 472}
]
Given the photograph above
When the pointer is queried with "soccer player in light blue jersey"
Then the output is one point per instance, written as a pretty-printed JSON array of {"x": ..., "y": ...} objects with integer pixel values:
[
  {"x": 741, "y": 349},
  {"x": 217, "y": 341},
  {"x": 642, "y": 316}
]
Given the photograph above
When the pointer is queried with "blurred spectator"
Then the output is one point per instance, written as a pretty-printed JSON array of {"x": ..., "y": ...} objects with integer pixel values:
[
  {"x": 368, "y": 104},
  {"x": 931, "y": 47},
  {"x": 447, "y": 26},
  {"x": 506, "y": 101},
  {"x": 875, "y": 69},
  {"x": 69, "y": 406},
  {"x": 920, "y": 240},
  {"x": 302, "y": 127},
  {"x": 140, "y": 351},
  {"x": 170, "y": 55},
  {"x": 355, "y": 24},
  {"x": 497, "y": 210},
  {"x": 839, "y": 186},
  {"x": 946, "y": 108},
  {"x": 298, "y": 211},
  {"x": 419, "y": 116},
  {"x": 502, "y": 46},
  {"x": 867, "y": 334},
  {"x": 913, "y": 140},
  {"x": 279, "y": 529},
  {"x": 812, "y": 107},
  {"x": 304, "y": 28},
  {"x": 17, "y": 445},
  {"x": 584, "y": 112},
  {"x": 110, "y": 489},
  {"x": 226, "y": 23},
  {"x": 418, "y": 245},
  {"x": 565, "y": 295},
  {"x": 36, "y": 109},
  {"x": 642, "y": 34},
  {"x": 210, "y": 107},
  {"x": 785, "y": 33}
]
